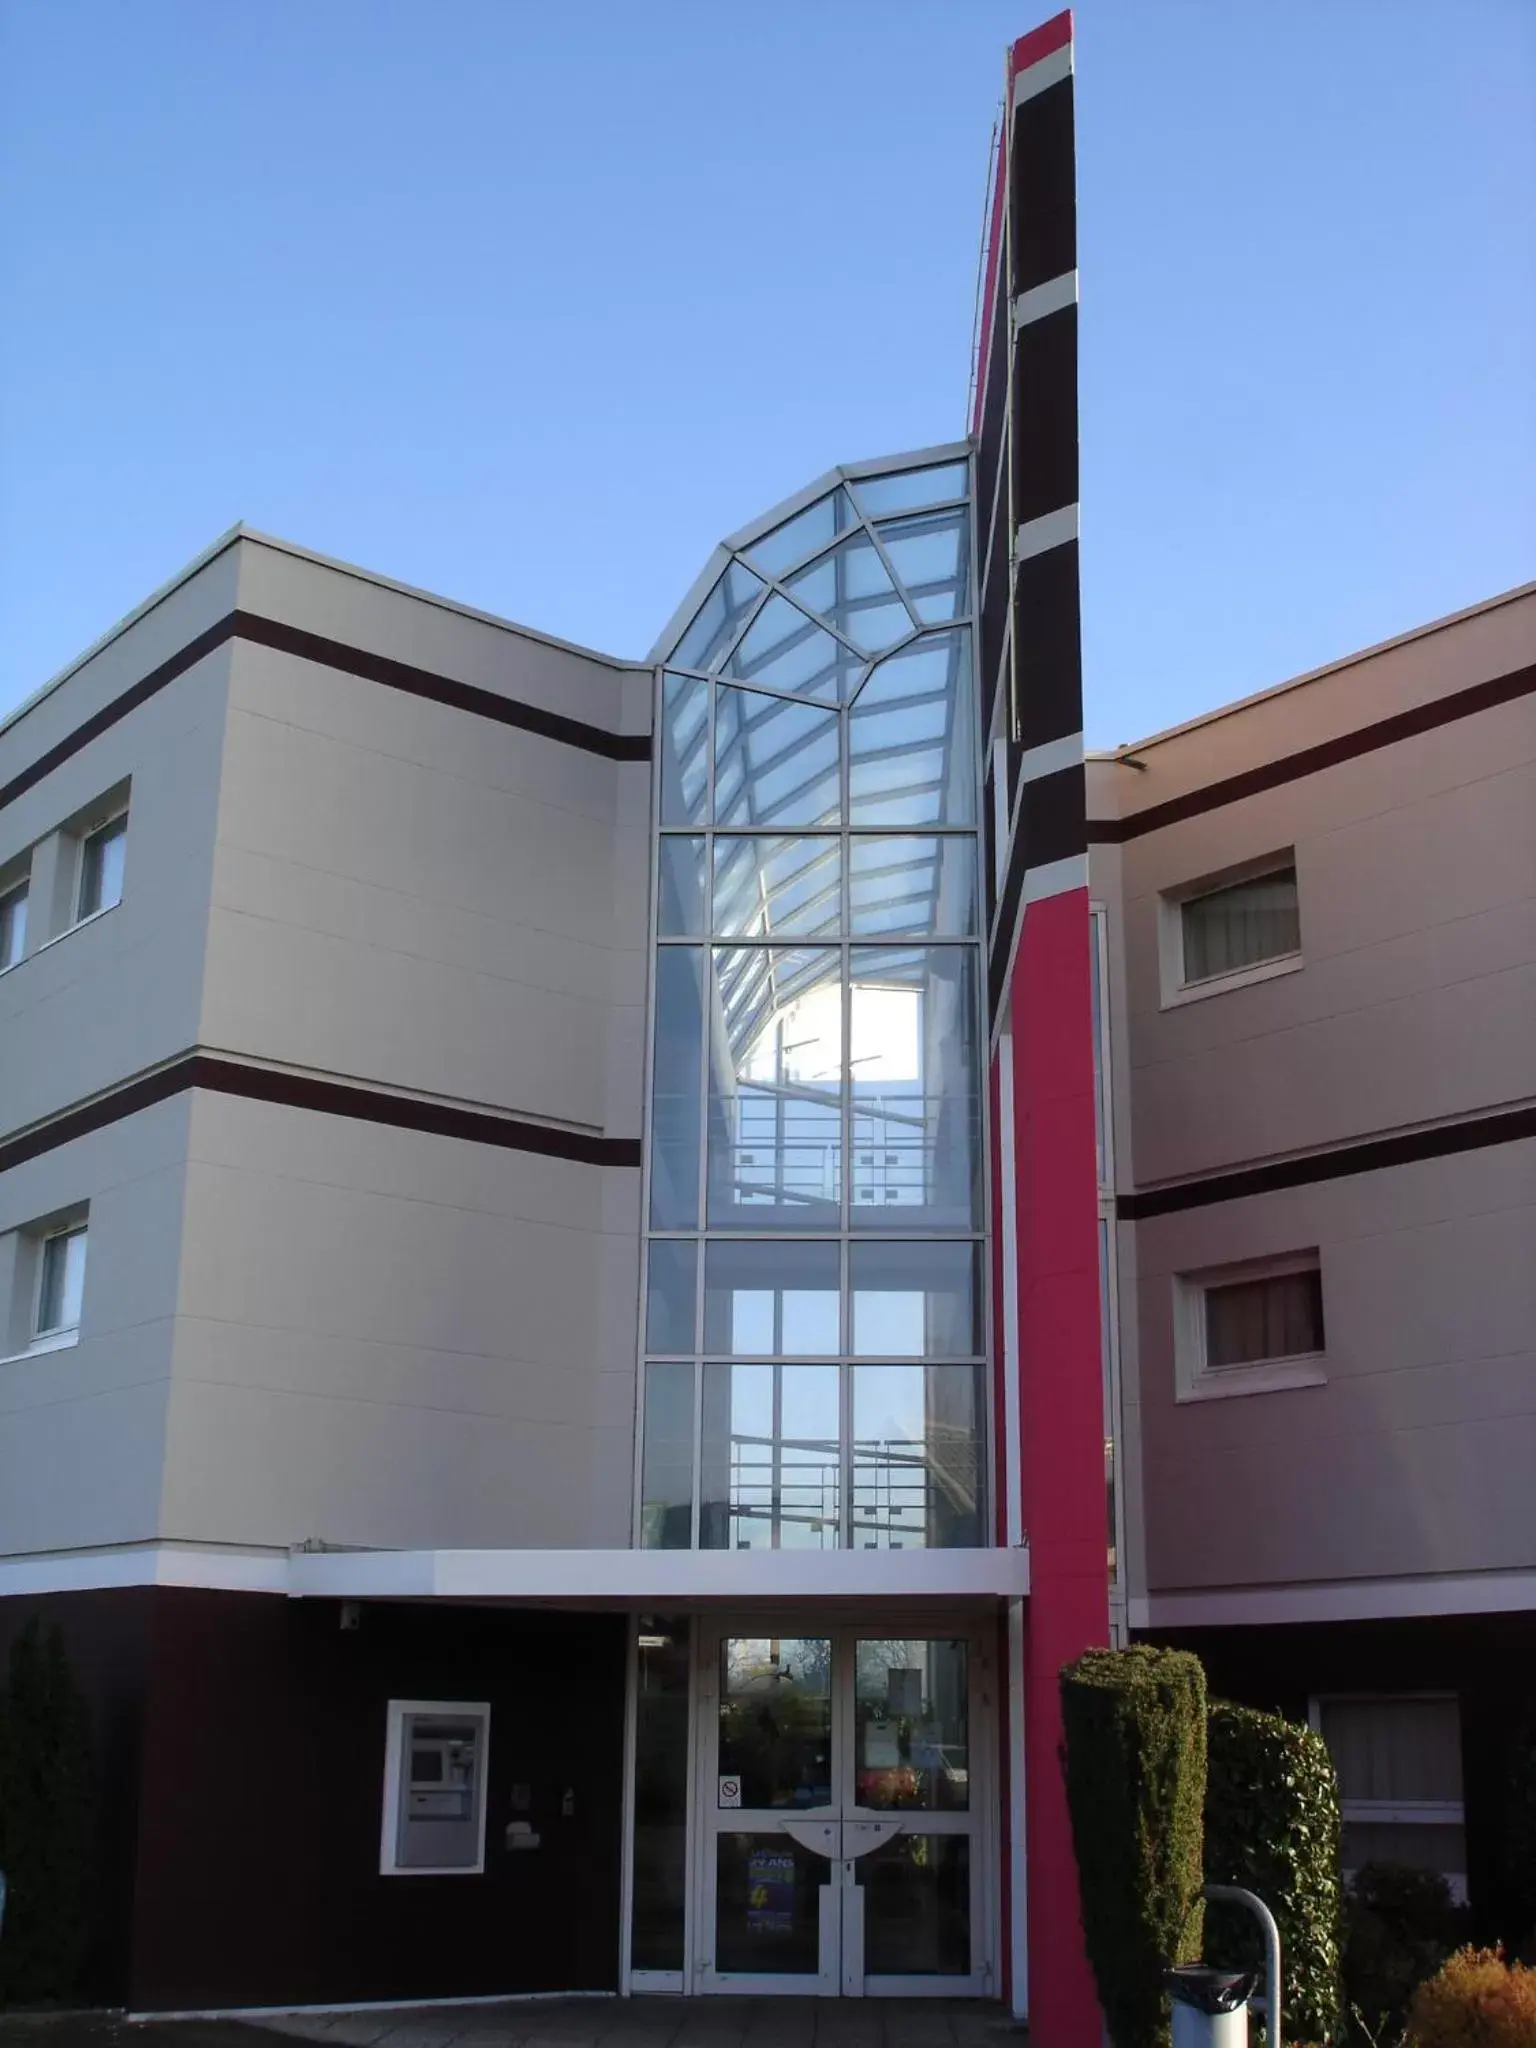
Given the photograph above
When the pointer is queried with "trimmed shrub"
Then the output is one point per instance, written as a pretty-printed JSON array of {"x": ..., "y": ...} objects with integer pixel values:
[
  {"x": 1135, "y": 1768},
  {"x": 1476, "y": 2000},
  {"x": 45, "y": 1822},
  {"x": 1272, "y": 1825},
  {"x": 1400, "y": 1926}
]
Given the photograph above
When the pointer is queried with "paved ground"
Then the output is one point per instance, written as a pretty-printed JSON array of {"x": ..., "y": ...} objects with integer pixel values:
[
  {"x": 672, "y": 2023},
  {"x": 562, "y": 2023}
]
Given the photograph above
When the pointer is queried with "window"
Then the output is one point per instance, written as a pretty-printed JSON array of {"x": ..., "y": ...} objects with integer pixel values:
[
  {"x": 13, "y": 926},
  {"x": 101, "y": 867},
  {"x": 1249, "y": 1329},
  {"x": 1399, "y": 1765},
  {"x": 435, "y": 1757},
  {"x": 61, "y": 1284},
  {"x": 1223, "y": 933}
]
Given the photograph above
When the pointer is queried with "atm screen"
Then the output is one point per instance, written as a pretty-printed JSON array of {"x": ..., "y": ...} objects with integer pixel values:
[{"x": 426, "y": 1766}]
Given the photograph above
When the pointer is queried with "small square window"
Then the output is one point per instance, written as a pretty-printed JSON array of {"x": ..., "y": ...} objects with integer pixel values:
[
  {"x": 1226, "y": 931},
  {"x": 61, "y": 1283},
  {"x": 102, "y": 855},
  {"x": 435, "y": 1765},
  {"x": 13, "y": 926},
  {"x": 1249, "y": 1329},
  {"x": 1244, "y": 925}
]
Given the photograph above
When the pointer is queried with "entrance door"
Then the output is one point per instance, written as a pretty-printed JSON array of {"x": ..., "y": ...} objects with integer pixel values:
[{"x": 842, "y": 1840}]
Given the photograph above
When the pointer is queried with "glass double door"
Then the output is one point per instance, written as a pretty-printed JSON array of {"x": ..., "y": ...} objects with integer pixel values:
[{"x": 842, "y": 1809}]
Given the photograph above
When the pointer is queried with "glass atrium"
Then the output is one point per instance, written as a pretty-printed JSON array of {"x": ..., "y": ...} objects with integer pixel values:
[{"x": 814, "y": 1316}]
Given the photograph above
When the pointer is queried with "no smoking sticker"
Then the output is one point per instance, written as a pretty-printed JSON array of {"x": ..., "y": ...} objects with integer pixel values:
[{"x": 730, "y": 1791}]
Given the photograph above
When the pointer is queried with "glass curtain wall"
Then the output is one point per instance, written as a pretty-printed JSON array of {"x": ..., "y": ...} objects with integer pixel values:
[{"x": 814, "y": 1301}]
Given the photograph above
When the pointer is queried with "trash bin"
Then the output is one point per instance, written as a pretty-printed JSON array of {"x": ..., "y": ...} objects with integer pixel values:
[{"x": 1210, "y": 2007}]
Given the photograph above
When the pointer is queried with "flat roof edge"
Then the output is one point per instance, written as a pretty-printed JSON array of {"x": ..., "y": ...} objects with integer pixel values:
[
  {"x": 239, "y": 532},
  {"x": 1314, "y": 675}
]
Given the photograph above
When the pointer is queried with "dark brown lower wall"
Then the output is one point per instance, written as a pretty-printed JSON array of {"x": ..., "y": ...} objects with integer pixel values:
[
  {"x": 107, "y": 1637},
  {"x": 1484, "y": 1659},
  {"x": 244, "y": 1774}
]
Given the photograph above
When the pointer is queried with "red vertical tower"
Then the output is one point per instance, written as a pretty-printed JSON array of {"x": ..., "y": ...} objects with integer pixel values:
[{"x": 1051, "y": 1413}]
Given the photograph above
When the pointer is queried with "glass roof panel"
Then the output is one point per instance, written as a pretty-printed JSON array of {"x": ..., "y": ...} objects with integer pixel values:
[
  {"x": 809, "y": 531},
  {"x": 911, "y": 754},
  {"x": 776, "y": 762},
  {"x": 715, "y": 623},
  {"x": 925, "y": 886},
  {"x": 907, "y": 489},
  {"x": 684, "y": 740},
  {"x": 784, "y": 649},
  {"x": 931, "y": 555},
  {"x": 852, "y": 590},
  {"x": 768, "y": 888}
]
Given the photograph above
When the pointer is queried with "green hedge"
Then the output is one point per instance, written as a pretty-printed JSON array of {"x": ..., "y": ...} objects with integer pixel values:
[
  {"x": 1135, "y": 1768},
  {"x": 45, "y": 1823},
  {"x": 1272, "y": 1825}
]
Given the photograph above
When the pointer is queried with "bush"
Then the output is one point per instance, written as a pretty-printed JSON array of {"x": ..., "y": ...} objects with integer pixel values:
[
  {"x": 1272, "y": 1825},
  {"x": 1476, "y": 2000},
  {"x": 1134, "y": 1757},
  {"x": 45, "y": 1822},
  {"x": 1400, "y": 1925}
]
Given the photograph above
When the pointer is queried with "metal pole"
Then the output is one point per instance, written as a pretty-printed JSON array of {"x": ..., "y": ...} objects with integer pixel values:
[{"x": 1273, "y": 1988}]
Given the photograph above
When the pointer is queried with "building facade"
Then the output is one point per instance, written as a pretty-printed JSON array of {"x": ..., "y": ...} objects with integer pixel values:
[
  {"x": 607, "y": 1265},
  {"x": 1319, "y": 962}
]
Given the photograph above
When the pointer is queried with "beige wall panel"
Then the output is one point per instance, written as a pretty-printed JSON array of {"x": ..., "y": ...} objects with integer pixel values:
[
  {"x": 1407, "y": 1461},
  {"x": 413, "y": 627}
]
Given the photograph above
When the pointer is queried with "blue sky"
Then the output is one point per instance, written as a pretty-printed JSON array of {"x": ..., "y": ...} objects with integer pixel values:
[{"x": 529, "y": 304}]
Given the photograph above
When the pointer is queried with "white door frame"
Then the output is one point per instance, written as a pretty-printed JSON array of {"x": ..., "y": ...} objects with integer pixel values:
[{"x": 842, "y": 1898}]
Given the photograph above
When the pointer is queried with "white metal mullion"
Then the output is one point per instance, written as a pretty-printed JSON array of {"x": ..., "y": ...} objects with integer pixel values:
[{"x": 890, "y": 569}]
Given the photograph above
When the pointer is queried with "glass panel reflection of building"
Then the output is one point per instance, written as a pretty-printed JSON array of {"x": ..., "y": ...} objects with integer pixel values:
[{"x": 814, "y": 1281}]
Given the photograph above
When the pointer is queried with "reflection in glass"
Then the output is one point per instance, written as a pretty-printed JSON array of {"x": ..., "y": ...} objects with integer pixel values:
[
  {"x": 671, "y": 1270},
  {"x": 770, "y": 1471},
  {"x": 684, "y": 740},
  {"x": 784, "y": 650},
  {"x": 776, "y": 761},
  {"x": 917, "y": 1906},
  {"x": 911, "y": 1716},
  {"x": 768, "y": 888},
  {"x": 909, "y": 488},
  {"x": 775, "y": 1088},
  {"x": 675, "y": 1082},
  {"x": 776, "y": 1720},
  {"x": 914, "y": 1061},
  {"x": 931, "y": 556},
  {"x": 924, "y": 886},
  {"x": 767, "y": 1906},
  {"x": 771, "y": 1300},
  {"x": 719, "y": 619},
  {"x": 661, "y": 1795},
  {"x": 917, "y": 1457},
  {"x": 912, "y": 758},
  {"x": 915, "y": 1300},
  {"x": 666, "y": 1475},
  {"x": 680, "y": 887},
  {"x": 806, "y": 534},
  {"x": 852, "y": 590}
]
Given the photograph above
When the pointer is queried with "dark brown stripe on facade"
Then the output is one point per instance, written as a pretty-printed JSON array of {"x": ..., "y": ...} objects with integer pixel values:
[
  {"x": 356, "y": 661},
  {"x": 1043, "y": 198},
  {"x": 1047, "y": 633},
  {"x": 103, "y": 720},
  {"x": 1045, "y": 415},
  {"x": 323, "y": 1097},
  {"x": 1370, "y": 1155},
  {"x": 1053, "y": 819},
  {"x": 1348, "y": 746}
]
